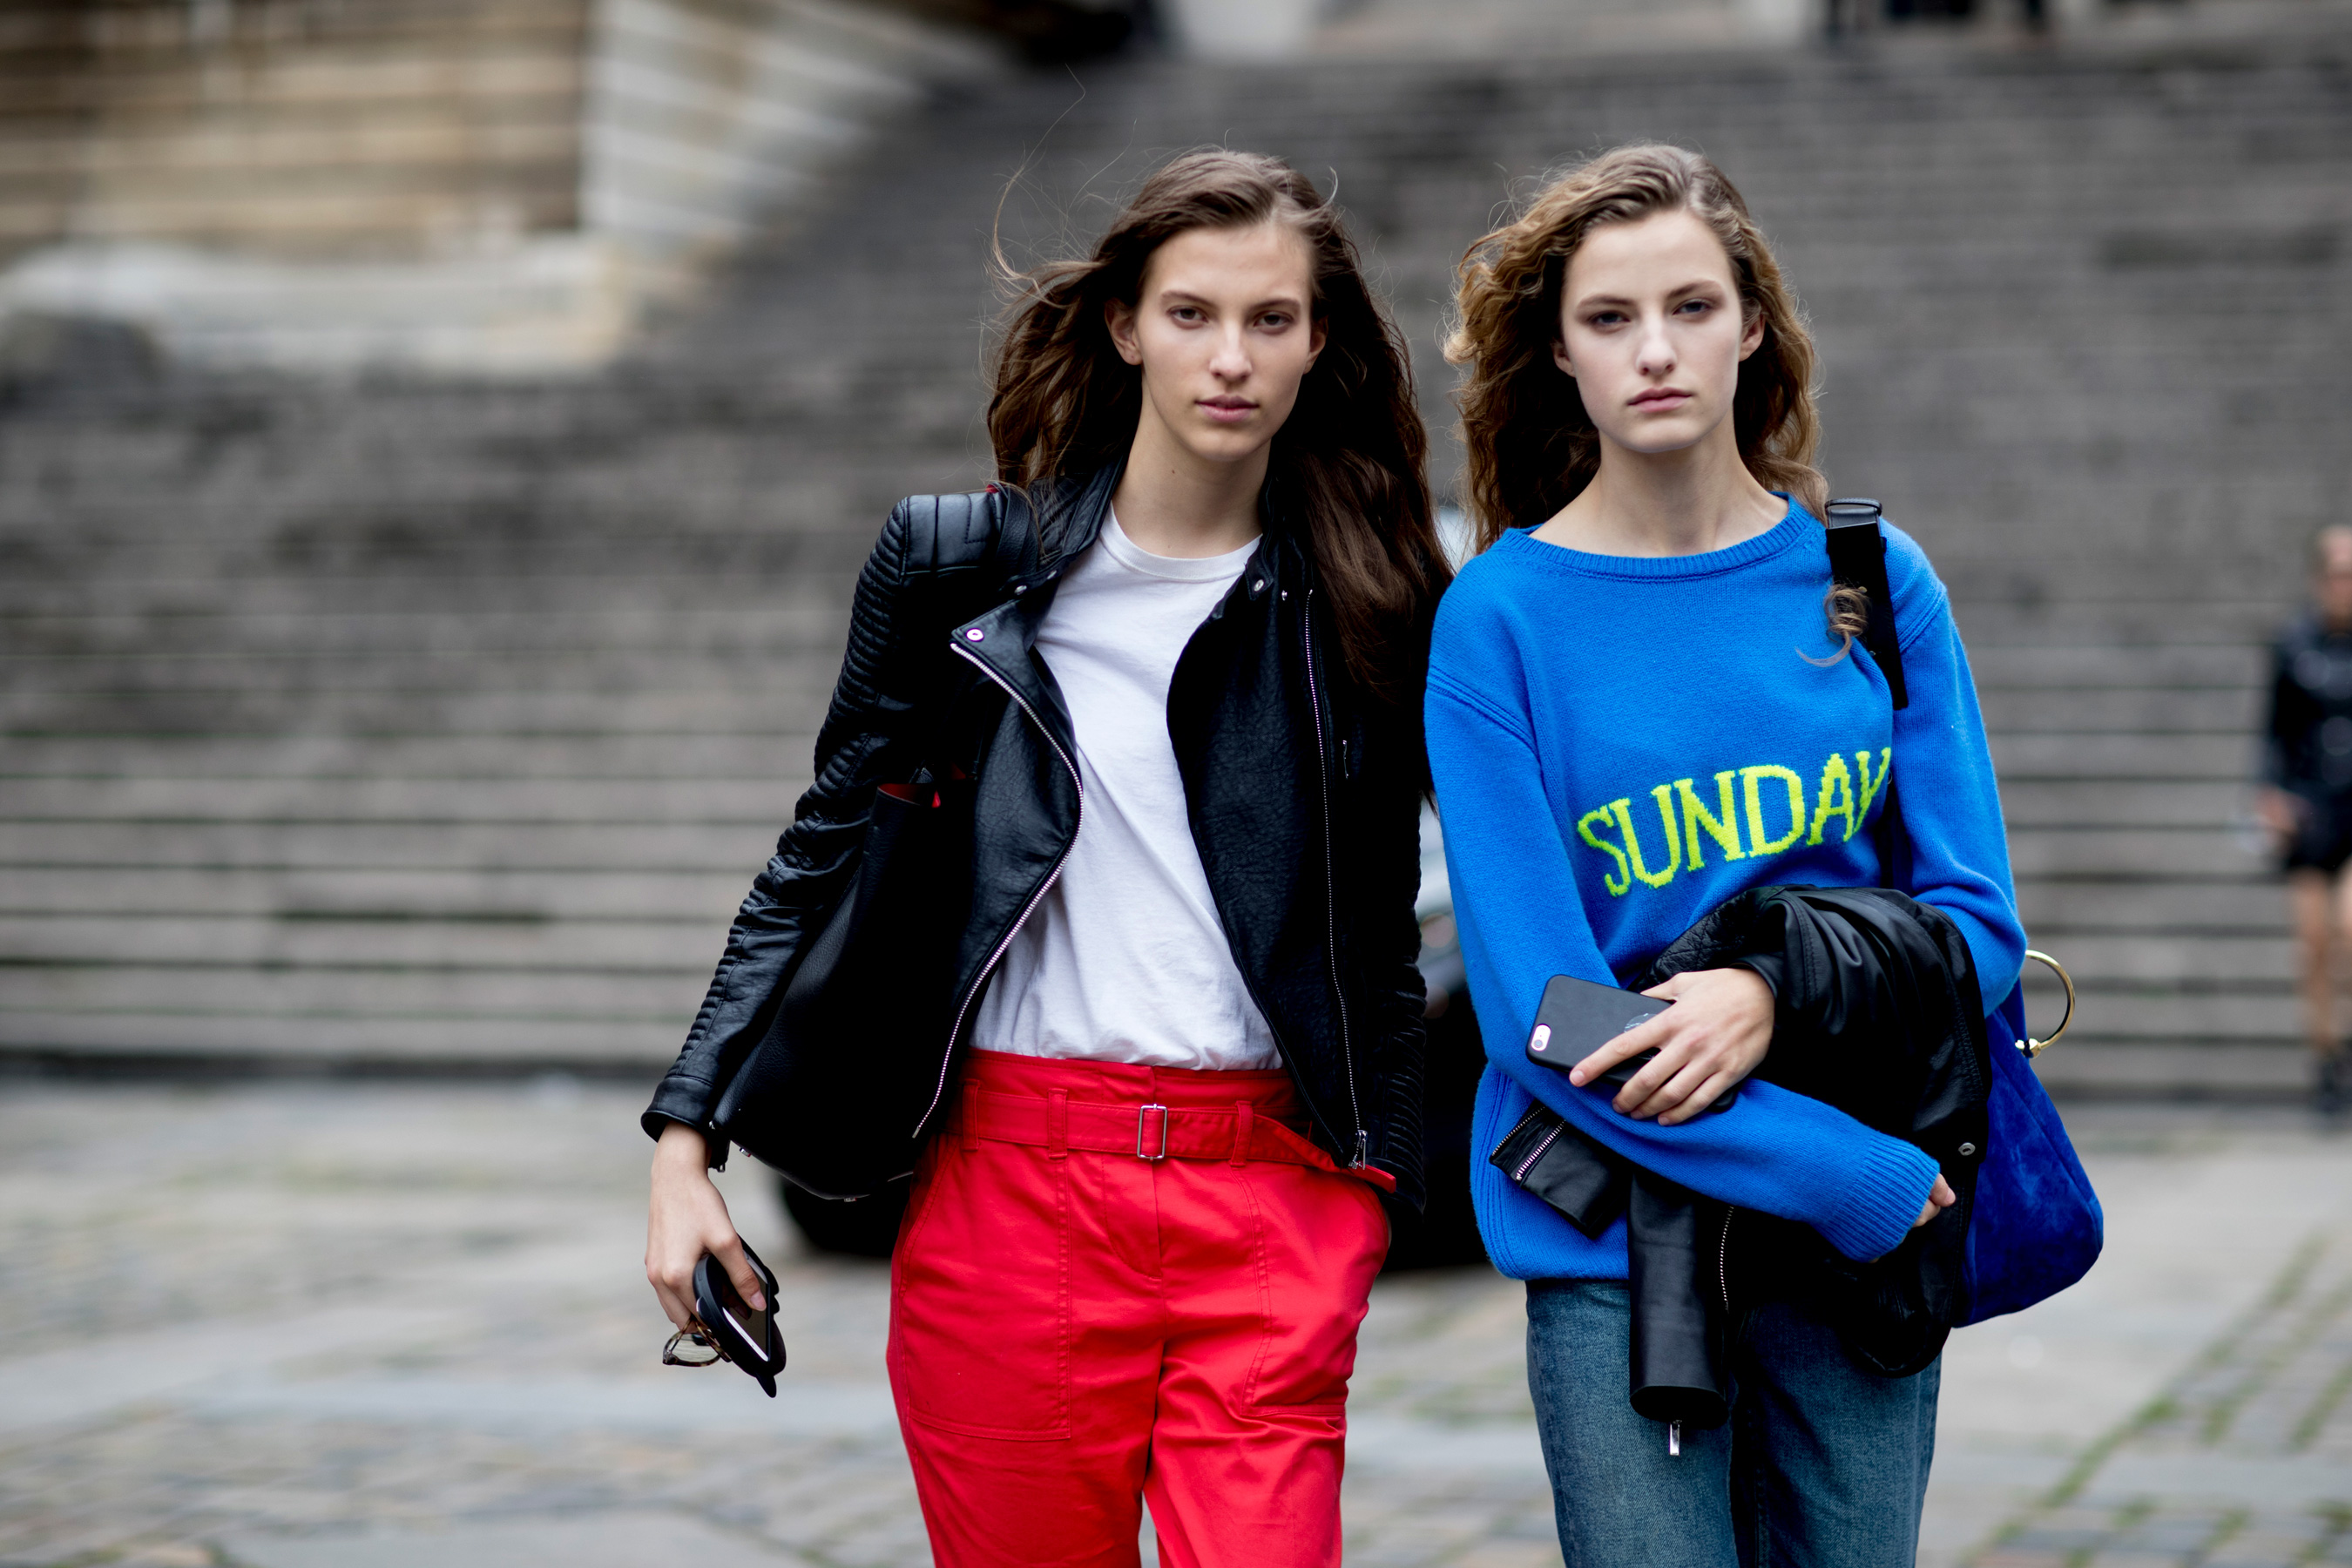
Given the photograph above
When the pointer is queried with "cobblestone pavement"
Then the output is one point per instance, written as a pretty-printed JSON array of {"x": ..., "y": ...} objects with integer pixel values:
[{"x": 371, "y": 1326}]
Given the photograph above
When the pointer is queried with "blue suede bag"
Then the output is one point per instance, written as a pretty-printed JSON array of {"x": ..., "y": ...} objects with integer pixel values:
[{"x": 2037, "y": 1226}]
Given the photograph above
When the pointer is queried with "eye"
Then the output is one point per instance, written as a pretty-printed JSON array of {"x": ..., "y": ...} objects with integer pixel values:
[
  {"x": 1275, "y": 321},
  {"x": 1605, "y": 319},
  {"x": 1187, "y": 313},
  {"x": 1695, "y": 307}
]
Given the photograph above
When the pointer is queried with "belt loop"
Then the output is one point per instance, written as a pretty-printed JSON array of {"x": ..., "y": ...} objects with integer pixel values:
[
  {"x": 1058, "y": 1125},
  {"x": 1244, "y": 1130},
  {"x": 971, "y": 1117}
]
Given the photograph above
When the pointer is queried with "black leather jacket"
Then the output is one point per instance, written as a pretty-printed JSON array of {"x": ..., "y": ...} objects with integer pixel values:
[
  {"x": 1876, "y": 1012},
  {"x": 1304, "y": 803}
]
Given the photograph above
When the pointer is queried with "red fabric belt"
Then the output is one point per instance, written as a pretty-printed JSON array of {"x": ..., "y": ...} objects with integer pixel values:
[{"x": 1058, "y": 1123}]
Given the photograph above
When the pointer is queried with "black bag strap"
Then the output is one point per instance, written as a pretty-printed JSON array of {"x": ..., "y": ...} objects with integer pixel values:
[{"x": 1858, "y": 560}]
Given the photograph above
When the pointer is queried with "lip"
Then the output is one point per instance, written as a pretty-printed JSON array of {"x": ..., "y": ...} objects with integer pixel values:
[
  {"x": 1663, "y": 399},
  {"x": 1227, "y": 410}
]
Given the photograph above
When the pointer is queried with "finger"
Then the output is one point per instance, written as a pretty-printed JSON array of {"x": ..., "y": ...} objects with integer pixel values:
[
  {"x": 680, "y": 1314},
  {"x": 1625, "y": 1047},
  {"x": 1717, "y": 1086},
  {"x": 1928, "y": 1211},
  {"x": 1671, "y": 986},
  {"x": 730, "y": 1254},
  {"x": 1682, "y": 1083},
  {"x": 1943, "y": 1197},
  {"x": 1654, "y": 1075}
]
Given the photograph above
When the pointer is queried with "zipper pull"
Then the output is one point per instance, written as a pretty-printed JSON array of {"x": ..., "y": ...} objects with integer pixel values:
[
  {"x": 1363, "y": 1150},
  {"x": 1674, "y": 1439}
]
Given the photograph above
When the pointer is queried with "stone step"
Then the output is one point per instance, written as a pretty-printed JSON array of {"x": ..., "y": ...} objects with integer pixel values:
[
  {"x": 325, "y": 1041},
  {"x": 331, "y": 755},
  {"x": 528, "y": 845},
  {"x": 2157, "y": 905},
  {"x": 461, "y": 897},
  {"x": 611, "y": 802},
  {"x": 550, "y": 948}
]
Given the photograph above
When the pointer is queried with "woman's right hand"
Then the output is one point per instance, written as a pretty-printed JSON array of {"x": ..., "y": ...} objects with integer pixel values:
[
  {"x": 688, "y": 1219},
  {"x": 1939, "y": 1198}
]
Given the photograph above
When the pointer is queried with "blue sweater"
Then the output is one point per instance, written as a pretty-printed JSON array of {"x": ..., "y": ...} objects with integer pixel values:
[{"x": 1622, "y": 742}]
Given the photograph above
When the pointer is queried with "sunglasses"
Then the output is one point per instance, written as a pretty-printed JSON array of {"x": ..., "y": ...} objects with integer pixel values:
[{"x": 726, "y": 1328}]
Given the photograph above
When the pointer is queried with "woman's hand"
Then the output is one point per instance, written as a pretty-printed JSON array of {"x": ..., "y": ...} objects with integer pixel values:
[
  {"x": 2281, "y": 812},
  {"x": 1715, "y": 1035},
  {"x": 1941, "y": 1198},
  {"x": 688, "y": 1219}
]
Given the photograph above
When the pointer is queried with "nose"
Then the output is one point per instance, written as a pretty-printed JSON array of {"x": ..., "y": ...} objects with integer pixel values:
[
  {"x": 1230, "y": 361},
  {"x": 1657, "y": 352}
]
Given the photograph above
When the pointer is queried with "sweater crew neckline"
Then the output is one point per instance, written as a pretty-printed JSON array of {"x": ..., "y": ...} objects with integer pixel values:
[{"x": 1795, "y": 526}]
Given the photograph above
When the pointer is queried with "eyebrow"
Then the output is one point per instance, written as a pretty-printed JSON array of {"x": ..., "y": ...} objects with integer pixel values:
[
  {"x": 1185, "y": 296},
  {"x": 1588, "y": 300}
]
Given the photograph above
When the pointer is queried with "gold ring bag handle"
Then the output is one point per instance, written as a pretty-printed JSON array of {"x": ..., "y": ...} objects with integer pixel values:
[{"x": 2034, "y": 1047}]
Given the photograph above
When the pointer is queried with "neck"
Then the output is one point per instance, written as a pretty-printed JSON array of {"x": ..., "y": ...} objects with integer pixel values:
[
  {"x": 1173, "y": 501},
  {"x": 1686, "y": 503}
]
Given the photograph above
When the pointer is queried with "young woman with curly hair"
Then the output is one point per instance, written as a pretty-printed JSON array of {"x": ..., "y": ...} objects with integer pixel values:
[
  {"x": 1185, "y": 1070},
  {"x": 1644, "y": 699}
]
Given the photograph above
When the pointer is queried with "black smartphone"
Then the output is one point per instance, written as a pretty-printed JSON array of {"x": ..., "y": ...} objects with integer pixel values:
[
  {"x": 1577, "y": 1017},
  {"x": 746, "y": 1336}
]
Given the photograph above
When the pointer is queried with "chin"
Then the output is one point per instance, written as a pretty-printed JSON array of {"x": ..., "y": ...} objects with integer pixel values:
[{"x": 1656, "y": 441}]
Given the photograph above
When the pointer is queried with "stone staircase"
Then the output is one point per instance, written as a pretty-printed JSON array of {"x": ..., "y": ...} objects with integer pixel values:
[{"x": 400, "y": 724}]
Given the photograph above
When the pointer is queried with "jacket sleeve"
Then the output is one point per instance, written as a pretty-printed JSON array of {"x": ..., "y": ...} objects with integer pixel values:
[
  {"x": 868, "y": 736},
  {"x": 1391, "y": 951},
  {"x": 1774, "y": 1150}
]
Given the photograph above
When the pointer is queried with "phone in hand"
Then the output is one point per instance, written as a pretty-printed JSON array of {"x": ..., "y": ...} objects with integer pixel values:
[{"x": 1577, "y": 1018}]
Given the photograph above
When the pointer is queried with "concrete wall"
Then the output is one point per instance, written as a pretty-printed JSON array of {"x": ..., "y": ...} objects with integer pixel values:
[{"x": 468, "y": 186}]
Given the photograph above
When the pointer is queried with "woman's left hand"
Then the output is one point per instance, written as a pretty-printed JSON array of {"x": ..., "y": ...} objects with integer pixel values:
[{"x": 1714, "y": 1036}]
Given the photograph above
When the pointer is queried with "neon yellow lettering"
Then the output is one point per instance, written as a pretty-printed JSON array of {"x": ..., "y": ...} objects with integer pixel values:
[
  {"x": 1697, "y": 819},
  {"x": 1835, "y": 798},
  {"x": 1870, "y": 786},
  {"x": 1757, "y": 843},
  {"x": 1618, "y": 883},
  {"x": 1664, "y": 796}
]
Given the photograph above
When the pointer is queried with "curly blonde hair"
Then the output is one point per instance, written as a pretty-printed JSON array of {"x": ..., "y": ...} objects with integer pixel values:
[{"x": 1531, "y": 445}]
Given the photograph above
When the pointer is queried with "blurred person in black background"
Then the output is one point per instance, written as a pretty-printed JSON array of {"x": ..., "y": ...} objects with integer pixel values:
[{"x": 2306, "y": 799}]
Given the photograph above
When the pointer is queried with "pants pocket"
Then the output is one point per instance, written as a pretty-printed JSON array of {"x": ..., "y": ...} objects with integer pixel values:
[
  {"x": 980, "y": 1300},
  {"x": 1321, "y": 1239}
]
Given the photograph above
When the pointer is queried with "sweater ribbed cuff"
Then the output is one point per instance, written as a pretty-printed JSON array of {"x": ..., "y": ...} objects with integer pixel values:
[{"x": 1892, "y": 1181}]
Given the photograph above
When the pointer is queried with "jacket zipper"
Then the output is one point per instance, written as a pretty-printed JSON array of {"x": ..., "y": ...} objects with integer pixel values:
[
  {"x": 1330, "y": 885},
  {"x": 1723, "y": 1260},
  {"x": 1078, "y": 781},
  {"x": 1520, "y": 1175}
]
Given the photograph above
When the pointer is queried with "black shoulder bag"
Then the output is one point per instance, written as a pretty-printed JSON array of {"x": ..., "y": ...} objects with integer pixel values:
[{"x": 830, "y": 1095}]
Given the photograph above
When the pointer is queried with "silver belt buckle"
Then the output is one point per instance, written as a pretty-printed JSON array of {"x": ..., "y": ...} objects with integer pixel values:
[{"x": 1142, "y": 1117}]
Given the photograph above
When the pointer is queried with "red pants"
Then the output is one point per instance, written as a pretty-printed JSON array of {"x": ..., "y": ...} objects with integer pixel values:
[{"x": 1073, "y": 1328}]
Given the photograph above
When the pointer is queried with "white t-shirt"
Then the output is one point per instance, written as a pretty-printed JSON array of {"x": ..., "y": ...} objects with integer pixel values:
[{"x": 1125, "y": 960}]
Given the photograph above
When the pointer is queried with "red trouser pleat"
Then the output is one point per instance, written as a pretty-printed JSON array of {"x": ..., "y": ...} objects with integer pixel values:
[{"x": 1074, "y": 1331}]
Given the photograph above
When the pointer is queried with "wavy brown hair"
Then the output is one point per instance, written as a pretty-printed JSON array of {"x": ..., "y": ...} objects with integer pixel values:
[
  {"x": 1350, "y": 466},
  {"x": 1531, "y": 445}
]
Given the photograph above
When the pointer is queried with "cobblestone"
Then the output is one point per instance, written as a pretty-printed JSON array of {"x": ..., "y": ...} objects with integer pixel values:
[{"x": 340, "y": 1327}]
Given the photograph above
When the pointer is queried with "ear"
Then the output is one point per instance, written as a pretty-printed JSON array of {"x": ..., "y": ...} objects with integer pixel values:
[
  {"x": 1560, "y": 358},
  {"x": 1119, "y": 316},
  {"x": 1318, "y": 333},
  {"x": 1751, "y": 336}
]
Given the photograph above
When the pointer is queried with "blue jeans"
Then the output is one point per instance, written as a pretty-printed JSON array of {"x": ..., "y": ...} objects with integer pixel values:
[{"x": 1822, "y": 1464}]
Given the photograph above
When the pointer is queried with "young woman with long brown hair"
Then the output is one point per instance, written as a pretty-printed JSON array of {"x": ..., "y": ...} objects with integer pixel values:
[
  {"x": 1186, "y": 690},
  {"x": 1644, "y": 701}
]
